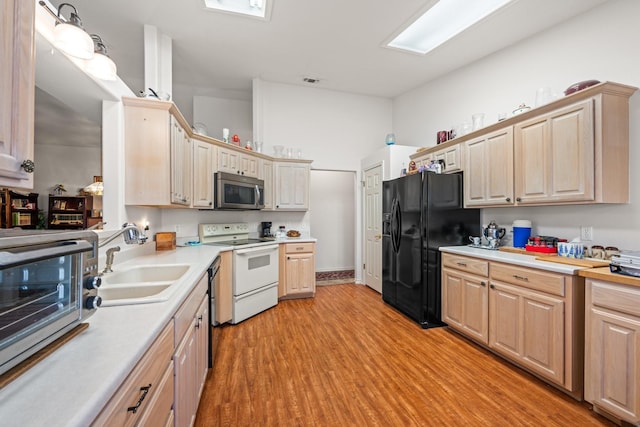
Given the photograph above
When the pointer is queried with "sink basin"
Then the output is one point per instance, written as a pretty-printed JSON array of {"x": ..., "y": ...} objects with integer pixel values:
[
  {"x": 130, "y": 292},
  {"x": 140, "y": 284},
  {"x": 147, "y": 273}
]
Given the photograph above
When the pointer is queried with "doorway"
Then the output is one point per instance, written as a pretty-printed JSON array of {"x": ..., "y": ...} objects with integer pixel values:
[{"x": 333, "y": 223}]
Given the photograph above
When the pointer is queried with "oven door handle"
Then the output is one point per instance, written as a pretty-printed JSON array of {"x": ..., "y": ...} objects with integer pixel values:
[
  {"x": 68, "y": 247},
  {"x": 257, "y": 250}
]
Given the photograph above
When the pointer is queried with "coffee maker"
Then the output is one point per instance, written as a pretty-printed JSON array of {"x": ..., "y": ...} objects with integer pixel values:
[{"x": 265, "y": 229}]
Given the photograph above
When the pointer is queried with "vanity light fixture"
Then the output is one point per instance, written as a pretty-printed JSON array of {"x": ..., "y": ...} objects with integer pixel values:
[
  {"x": 101, "y": 66},
  {"x": 442, "y": 22},
  {"x": 69, "y": 35}
]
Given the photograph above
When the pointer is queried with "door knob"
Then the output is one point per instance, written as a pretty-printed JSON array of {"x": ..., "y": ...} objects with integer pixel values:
[{"x": 378, "y": 236}]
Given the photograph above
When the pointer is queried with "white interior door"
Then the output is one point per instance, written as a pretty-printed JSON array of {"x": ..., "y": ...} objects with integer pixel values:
[{"x": 373, "y": 228}]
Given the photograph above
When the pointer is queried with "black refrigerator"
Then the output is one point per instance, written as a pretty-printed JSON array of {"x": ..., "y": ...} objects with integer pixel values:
[{"x": 421, "y": 212}]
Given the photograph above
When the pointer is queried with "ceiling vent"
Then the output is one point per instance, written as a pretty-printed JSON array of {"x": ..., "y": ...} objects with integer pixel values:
[{"x": 311, "y": 80}]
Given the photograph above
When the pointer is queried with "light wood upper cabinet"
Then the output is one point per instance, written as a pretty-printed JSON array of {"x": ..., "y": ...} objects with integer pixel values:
[
  {"x": 17, "y": 86},
  {"x": 612, "y": 349},
  {"x": 291, "y": 186},
  {"x": 158, "y": 154},
  {"x": 488, "y": 179},
  {"x": 555, "y": 156},
  {"x": 267, "y": 175},
  {"x": 203, "y": 159},
  {"x": 236, "y": 162},
  {"x": 181, "y": 164},
  {"x": 452, "y": 158}
]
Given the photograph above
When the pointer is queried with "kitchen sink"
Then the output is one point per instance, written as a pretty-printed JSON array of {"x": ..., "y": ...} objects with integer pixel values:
[
  {"x": 147, "y": 273},
  {"x": 140, "y": 284},
  {"x": 131, "y": 293}
]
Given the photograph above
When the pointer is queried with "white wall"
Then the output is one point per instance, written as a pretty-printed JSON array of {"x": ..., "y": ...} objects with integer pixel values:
[
  {"x": 597, "y": 45},
  {"x": 335, "y": 129},
  {"x": 218, "y": 113},
  {"x": 333, "y": 218}
]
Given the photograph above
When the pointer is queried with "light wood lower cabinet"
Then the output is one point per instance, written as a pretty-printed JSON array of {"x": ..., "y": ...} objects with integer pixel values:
[
  {"x": 165, "y": 386},
  {"x": 466, "y": 296},
  {"x": 297, "y": 273},
  {"x": 612, "y": 363},
  {"x": 532, "y": 317},
  {"x": 224, "y": 289},
  {"x": 147, "y": 394},
  {"x": 190, "y": 358}
]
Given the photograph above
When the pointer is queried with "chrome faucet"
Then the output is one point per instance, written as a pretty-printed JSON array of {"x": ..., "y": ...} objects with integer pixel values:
[
  {"x": 111, "y": 252},
  {"x": 131, "y": 233}
]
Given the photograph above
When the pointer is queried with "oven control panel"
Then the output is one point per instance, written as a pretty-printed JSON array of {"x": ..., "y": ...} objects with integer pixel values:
[{"x": 217, "y": 232}]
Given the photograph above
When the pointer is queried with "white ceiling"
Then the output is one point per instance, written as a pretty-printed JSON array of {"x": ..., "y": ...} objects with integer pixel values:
[{"x": 337, "y": 41}]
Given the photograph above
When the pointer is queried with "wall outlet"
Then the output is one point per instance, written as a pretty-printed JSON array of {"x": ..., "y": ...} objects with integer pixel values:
[{"x": 586, "y": 232}]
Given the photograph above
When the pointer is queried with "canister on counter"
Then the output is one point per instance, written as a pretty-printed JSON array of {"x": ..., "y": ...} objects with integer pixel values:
[{"x": 521, "y": 232}]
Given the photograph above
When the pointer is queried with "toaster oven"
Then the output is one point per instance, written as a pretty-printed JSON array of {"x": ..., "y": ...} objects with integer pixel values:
[{"x": 48, "y": 285}]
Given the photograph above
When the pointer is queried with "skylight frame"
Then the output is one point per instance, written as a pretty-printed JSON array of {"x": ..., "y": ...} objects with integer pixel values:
[
  {"x": 243, "y": 8},
  {"x": 459, "y": 15}
]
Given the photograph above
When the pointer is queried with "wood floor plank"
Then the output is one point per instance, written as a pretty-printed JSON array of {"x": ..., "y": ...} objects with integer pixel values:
[{"x": 344, "y": 358}]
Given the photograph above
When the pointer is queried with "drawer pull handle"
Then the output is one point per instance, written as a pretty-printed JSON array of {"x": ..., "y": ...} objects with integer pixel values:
[
  {"x": 525, "y": 279},
  {"x": 145, "y": 391},
  {"x": 299, "y": 249},
  {"x": 483, "y": 284},
  {"x": 199, "y": 321},
  {"x": 492, "y": 287},
  {"x": 461, "y": 264}
]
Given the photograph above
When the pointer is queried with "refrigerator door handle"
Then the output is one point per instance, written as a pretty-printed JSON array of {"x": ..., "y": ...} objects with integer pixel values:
[{"x": 396, "y": 222}]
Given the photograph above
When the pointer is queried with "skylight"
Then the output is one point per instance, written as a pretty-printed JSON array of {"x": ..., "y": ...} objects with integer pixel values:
[
  {"x": 255, "y": 8},
  {"x": 443, "y": 21}
]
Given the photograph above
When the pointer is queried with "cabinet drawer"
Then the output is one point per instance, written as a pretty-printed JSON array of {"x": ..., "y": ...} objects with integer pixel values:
[
  {"x": 187, "y": 311},
  {"x": 539, "y": 280},
  {"x": 621, "y": 298},
  {"x": 463, "y": 263},
  {"x": 149, "y": 371},
  {"x": 292, "y": 248}
]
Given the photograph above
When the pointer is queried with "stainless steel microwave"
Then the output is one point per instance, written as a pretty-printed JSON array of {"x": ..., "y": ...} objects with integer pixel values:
[
  {"x": 237, "y": 192},
  {"x": 48, "y": 284}
]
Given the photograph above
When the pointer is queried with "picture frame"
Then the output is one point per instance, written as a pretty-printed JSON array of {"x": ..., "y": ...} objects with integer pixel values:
[{"x": 63, "y": 205}]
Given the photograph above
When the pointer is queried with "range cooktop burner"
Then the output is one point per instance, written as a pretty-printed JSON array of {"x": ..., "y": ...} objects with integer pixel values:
[{"x": 238, "y": 242}]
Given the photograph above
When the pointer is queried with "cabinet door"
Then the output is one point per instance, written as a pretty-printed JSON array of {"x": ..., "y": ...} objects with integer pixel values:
[
  {"x": 451, "y": 157},
  {"x": 228, "y": 160},
  {"x": 292, "y": 186},
  {"x": 202, "y": 345},
  {"x": 529, "y": 328},
  {"x": 465, "y": 303},
  {"x": 249, "y": 165},
  {"x": 17, "y": 85},
  {"x": 488, "y": 167},
  {"x": 202, "y": 174},
  {"x": 300, "y": 274},
  {"x": 555, "y": 156},
  {"x": 185, "y": 400},
  {"x": 266, "y": 174},
  {"x": 181, "y": 170},
  {"x": 613, "y": 362}
]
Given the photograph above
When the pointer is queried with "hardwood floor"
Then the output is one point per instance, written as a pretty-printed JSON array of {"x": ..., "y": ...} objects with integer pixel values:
[{"x": 344, "y": 358}]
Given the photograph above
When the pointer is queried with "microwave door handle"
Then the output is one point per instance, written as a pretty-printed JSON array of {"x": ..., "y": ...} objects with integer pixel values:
[
  {"x": 257, "y": 196},
  {"x": 11, "y": 259}
]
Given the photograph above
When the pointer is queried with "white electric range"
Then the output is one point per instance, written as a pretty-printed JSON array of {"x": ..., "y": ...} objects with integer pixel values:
[{"x": 255, "y": 268}]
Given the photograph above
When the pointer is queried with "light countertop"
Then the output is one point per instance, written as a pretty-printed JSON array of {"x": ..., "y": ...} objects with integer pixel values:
[
  {"x": 512, "y": 258},
  {"x": 71, "y": 386},
  {"x": 605, "y": 274}
]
